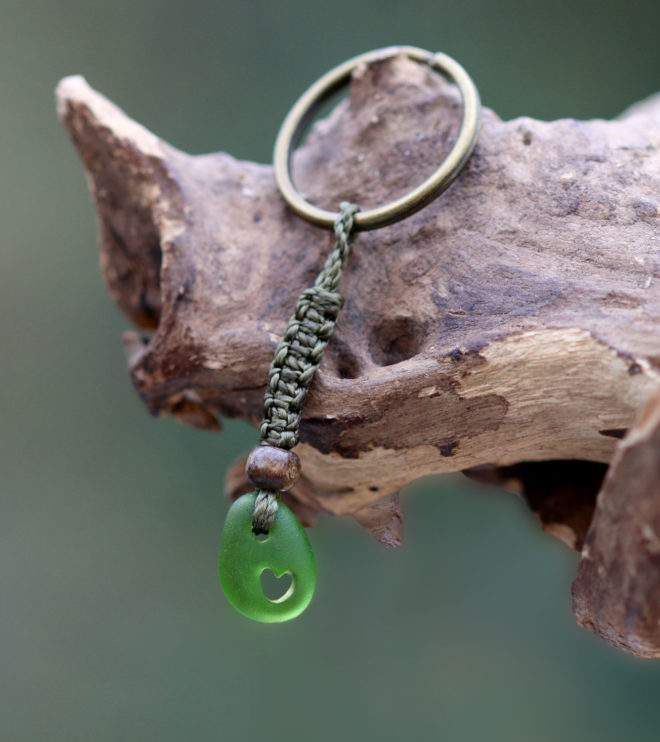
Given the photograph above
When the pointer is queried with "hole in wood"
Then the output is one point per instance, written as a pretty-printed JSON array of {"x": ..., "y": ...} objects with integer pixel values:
[
  {"x": 348, "y": 366},
  {"x": 395, "y": 340},
  {"x": 276, "y": 589}
]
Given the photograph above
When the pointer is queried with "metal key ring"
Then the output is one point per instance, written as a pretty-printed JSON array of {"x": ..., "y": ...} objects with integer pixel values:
[{"x": 302, "y": 112}]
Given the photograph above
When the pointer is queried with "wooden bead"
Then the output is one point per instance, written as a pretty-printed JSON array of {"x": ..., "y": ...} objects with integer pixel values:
[{"x": 272, "y": 469}]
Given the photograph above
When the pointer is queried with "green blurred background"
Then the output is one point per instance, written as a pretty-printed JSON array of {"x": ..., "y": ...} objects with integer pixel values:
[{"x": 113, "y": 624}]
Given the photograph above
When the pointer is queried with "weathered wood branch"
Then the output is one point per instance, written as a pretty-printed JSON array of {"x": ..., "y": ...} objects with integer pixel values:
[
  {"x": 509, "y": 329},
  {"x": 617, "y": 589}
]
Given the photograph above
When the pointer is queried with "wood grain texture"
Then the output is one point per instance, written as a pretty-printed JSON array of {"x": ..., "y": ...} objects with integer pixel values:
[
  {"x": 510, "y": 324},
  {"x": 617, "y": 589}
]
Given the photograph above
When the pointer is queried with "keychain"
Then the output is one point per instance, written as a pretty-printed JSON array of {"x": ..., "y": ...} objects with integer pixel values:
[{"x": 260, "y": 532}]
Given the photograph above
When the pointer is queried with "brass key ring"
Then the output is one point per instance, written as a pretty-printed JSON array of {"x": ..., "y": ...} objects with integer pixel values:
[{"x": 302, "y": 112}]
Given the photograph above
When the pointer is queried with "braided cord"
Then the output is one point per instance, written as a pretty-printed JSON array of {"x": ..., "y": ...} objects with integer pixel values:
[{"x": 297, "y": 357}]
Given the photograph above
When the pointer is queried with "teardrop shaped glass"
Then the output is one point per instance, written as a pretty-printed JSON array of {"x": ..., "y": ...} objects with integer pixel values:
[{"x": 244, "y": 556}]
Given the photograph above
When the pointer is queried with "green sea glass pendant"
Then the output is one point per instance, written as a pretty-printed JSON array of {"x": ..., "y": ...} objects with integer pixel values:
[{"x": 244, "y": 556}]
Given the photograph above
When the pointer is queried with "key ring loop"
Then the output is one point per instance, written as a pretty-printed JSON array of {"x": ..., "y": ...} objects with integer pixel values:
[{"x": 299, "y": 116}]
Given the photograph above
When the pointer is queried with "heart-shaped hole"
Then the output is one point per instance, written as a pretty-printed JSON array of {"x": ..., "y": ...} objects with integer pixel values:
[{"x": 276, "y": 589}]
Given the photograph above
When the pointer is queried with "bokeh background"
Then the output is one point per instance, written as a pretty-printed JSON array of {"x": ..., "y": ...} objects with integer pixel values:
[{"x": 113, "y": 623}]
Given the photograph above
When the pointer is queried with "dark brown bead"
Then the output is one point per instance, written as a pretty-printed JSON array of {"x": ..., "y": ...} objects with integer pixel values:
[{"x": 272, "y": 469}]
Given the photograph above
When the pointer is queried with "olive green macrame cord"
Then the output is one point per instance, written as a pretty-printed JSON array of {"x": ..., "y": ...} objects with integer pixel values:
[{"x": 297, "y": 357}]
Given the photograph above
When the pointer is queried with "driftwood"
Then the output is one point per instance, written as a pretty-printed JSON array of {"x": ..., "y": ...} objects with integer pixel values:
[{"x": 509, "y": 330}]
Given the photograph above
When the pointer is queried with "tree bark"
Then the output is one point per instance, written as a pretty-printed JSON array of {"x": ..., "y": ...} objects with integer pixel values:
[{"x": 509, "y": 329}]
